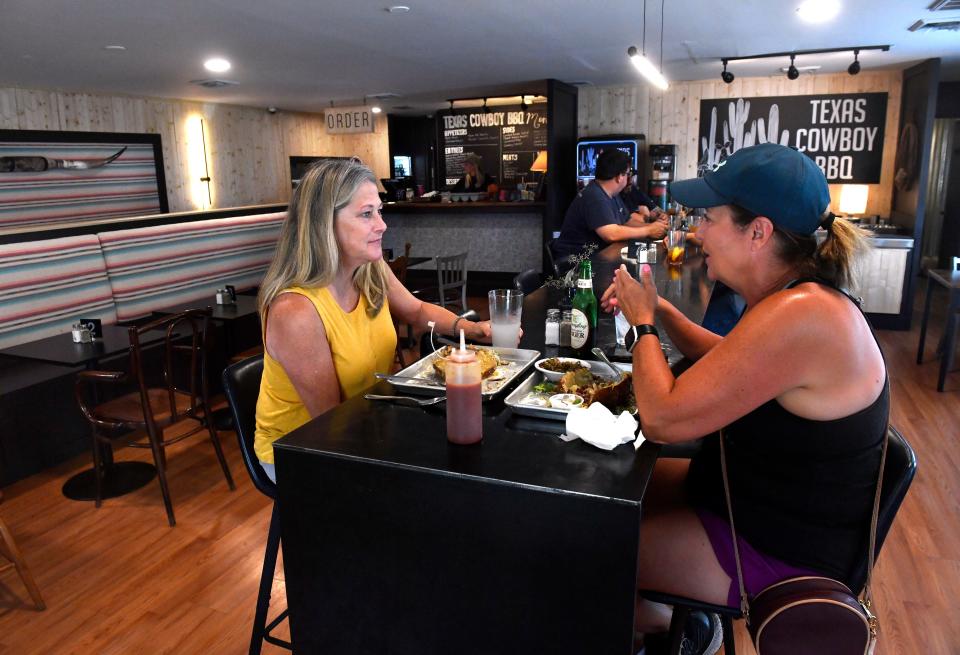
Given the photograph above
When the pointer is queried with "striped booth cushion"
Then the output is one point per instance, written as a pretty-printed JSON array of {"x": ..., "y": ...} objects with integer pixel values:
[
  {"x": 45, "y": 286},
  {"x": 154, "y": 267}
]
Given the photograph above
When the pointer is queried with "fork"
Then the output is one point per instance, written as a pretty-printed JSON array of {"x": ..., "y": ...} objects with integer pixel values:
[{"x": 419, "y": 402}]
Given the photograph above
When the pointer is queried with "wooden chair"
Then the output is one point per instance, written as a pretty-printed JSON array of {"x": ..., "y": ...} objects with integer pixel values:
[
  {"x": 898, "y": 473},
  {"x": 10, "y": 552},
  {"x": 452, "y": 280},
  {"x": 151, "y": 409},
  {"x": 241, "y": 383}
]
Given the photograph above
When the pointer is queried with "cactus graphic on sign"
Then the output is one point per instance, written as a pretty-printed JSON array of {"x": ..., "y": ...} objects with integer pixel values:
[{"x": 736, "y": 134}]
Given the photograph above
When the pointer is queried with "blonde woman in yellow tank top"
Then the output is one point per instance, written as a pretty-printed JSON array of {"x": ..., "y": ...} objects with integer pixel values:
[{"x": 326, "y": 303}]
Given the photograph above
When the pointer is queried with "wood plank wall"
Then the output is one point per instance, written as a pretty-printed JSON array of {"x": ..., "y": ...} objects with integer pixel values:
[
  {"x": 674, "y": 116},
  {"x": 248, "y": 148}
]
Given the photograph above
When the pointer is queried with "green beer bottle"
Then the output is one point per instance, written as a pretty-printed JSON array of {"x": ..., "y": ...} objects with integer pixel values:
[{"x": 583, "y": 324}]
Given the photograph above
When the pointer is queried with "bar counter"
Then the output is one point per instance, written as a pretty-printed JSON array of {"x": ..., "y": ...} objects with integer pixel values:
[{"x": 499, "y": 237}]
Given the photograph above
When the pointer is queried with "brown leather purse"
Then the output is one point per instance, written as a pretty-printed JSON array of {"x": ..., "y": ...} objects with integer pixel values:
[{"x": 810, "y": 614}]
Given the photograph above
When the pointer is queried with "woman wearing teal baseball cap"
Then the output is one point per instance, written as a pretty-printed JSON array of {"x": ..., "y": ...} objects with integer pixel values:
[{"x": 799, "y": 388}]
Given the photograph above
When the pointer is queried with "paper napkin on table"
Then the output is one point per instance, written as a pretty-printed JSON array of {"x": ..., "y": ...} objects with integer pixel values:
[{"x": 599, "y": 427}]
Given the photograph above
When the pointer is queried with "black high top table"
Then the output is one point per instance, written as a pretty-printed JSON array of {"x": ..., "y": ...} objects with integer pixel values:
[{"x": 395, "y": 541}]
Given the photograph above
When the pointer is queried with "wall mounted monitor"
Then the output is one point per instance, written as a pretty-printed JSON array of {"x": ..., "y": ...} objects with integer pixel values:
[{"x": 589, "y": 149}]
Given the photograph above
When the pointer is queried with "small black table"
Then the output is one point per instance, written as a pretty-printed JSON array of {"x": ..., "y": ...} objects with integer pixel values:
[
  {"x": 950, "y": 280},
  {"x": 243, "y": 307},
  {"x": 119, "y": 478},
  {"x": 396, "y": 541}
]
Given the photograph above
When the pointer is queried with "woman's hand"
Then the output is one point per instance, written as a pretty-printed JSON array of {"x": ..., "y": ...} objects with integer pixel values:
[
  {"x": 637, "y": 300},
  {"x": 479, "y": 331},
  {"x": 608, "y": 301}
]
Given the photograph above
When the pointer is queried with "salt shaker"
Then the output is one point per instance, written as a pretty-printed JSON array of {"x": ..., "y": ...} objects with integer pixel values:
[{"x": 552, "y": 328}]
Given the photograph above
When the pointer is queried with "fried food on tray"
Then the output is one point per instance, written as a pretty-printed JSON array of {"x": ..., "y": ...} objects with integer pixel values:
[
  {"x": 595, "y": 389},
  {"x": 486, "y": 356}
]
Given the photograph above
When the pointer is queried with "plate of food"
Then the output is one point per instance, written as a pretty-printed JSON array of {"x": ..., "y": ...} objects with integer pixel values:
[
  {"x": 498, "y": 368},
  {"x": 538, "y": 396},
  {"x": 553, "y": 368}
]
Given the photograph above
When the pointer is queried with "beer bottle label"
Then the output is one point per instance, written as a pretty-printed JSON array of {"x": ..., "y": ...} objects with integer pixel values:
[
  {"x": 579, "y": 329},
  {"x": 584, "y": 283}
]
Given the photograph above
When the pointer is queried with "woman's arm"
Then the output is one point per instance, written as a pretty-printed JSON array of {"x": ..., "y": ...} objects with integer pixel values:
[
  {"x": 409, "y": 309},
  {"x": 297, "y": 340},
  {"x": 692, "y": 340},
  {"x": 781, "y": 349}
]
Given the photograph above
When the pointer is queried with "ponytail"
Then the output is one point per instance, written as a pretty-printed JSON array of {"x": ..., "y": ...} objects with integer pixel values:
[{"x": 836, "y": 255}]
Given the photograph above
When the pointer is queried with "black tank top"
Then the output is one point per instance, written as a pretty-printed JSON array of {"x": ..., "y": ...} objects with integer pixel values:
[{"x": 802, "y": 489}]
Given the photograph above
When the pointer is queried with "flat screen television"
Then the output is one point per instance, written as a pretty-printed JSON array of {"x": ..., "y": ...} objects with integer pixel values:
[{"x": 589, "y": 149}]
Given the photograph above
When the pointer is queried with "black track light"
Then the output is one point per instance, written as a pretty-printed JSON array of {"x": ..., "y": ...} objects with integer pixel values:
[
  {"x": 855, "y": 66},
  {"x": 725, "y": 76},
  {"x": 792, "y": 72}
]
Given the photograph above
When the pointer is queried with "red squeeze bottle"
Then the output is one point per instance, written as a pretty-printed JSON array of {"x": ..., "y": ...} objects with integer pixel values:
[{"x": 464, "y": 420}]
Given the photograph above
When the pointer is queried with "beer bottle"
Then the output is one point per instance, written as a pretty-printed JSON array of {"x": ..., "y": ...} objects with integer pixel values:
[{"x": 583, "y": 322}]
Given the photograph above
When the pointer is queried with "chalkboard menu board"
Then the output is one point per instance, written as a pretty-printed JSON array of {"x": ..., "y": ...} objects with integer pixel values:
[{"x": 507, "y": 139}]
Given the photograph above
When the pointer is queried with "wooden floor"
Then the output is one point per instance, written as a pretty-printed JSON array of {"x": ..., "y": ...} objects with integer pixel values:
[{"x": 118, "y": 580}]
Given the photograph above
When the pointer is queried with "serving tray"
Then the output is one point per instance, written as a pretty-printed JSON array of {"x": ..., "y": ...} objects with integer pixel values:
[
  {"x": 520, "y": 399},
  {"x": 514, "y": 362}
]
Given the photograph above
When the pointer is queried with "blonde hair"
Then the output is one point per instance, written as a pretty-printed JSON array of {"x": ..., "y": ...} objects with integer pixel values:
[{"x": 307, "y": 254}]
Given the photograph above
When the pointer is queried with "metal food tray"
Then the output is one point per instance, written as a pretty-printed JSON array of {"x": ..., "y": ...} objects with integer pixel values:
[
  {"x": 525, "y": 388},
  {"x": 515, "y": 361}
]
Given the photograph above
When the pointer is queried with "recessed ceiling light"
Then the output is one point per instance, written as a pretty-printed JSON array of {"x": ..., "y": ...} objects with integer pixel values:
[
  {"x": 398, "y": 9},
  {"x": 818, "y": 11},
  {"x": 115, "y": 48},
  {"x": 217, "y": 65},
  {"x": 375, "y": 109}
]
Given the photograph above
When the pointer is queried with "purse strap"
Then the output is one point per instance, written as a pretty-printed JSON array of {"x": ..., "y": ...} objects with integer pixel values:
[{"x": 865, "y": 597}]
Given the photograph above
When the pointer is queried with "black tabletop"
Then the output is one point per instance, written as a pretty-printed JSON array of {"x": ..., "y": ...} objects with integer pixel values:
[
  {"x": 243, "y": 306},
  {"x": 60, "y": 348}
]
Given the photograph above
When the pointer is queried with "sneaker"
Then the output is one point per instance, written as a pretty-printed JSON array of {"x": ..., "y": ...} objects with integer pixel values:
[{"x": 702, "y": 634}]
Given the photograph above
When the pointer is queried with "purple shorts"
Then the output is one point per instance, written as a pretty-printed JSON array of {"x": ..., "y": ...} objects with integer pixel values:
[{"x": 759, "y": 570}]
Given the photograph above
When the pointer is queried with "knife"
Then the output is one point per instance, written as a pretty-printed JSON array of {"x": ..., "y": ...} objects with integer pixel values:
[{"x": 37, "y": 164}]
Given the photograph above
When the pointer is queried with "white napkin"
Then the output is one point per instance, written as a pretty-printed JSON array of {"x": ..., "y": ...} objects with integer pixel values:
[{"x": 599, "y": 427}]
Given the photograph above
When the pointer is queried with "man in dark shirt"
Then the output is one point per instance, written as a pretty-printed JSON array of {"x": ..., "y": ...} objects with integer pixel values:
[{"x": 598, "y": 215}]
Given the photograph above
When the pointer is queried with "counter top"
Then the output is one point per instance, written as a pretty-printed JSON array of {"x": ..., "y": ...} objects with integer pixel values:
[{"x": 484, "y": 207}]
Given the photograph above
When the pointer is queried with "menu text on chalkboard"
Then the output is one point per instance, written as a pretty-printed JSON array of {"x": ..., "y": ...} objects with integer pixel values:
[{"x": 507, "y": 140}]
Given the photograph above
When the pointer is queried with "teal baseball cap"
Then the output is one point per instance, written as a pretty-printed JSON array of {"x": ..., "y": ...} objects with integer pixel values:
[{"x": 769, "y": 180}]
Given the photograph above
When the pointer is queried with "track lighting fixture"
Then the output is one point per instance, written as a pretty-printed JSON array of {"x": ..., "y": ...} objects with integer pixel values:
[
  {"x": 792, "y": 72},
  {"x": 725, "y": 75},
  {"x": 854, "y": 68}
]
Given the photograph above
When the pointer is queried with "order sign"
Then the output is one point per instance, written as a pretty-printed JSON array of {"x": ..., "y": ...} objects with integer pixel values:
[{"x": 842, "y": 133}]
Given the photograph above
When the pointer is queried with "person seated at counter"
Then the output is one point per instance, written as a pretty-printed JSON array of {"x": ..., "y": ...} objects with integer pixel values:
[
  {"x": 598, "y": 216},
  {"x": 637, "y": 201},
  {"x": 798, "y": 389},
  {"x": 327, "y": 302},
  {"x": 474, "y": 178}
]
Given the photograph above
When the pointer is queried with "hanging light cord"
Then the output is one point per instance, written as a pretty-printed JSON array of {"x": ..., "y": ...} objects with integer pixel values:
[{"x": 644, "y": 44}]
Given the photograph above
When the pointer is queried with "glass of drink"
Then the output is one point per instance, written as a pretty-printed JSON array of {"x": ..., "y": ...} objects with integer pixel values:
[
  {"x": 506, "y": 306},
  {"x": 676, "y": 246}
]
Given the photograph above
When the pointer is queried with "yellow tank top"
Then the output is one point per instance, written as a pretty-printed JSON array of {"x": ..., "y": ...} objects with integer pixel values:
[{"x": 360, "y": 346}]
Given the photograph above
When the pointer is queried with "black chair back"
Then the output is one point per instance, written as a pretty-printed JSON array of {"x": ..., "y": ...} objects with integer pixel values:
[
  {"x": 898, "y": 473},
  {"x": 528, "y": 281},
  {"x": 241, "y": 383},
  {"x": 548, "y": 249}
]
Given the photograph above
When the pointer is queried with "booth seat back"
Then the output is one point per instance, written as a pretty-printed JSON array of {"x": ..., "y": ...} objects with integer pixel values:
[
  {"x": 154, "y": 267},
  {"x": 45, "y": 286}
]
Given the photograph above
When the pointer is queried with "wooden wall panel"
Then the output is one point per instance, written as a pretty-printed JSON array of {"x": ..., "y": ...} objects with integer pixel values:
[
  {"x": 674, "y": 116},
  {"x": 247, "y": 147}
]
